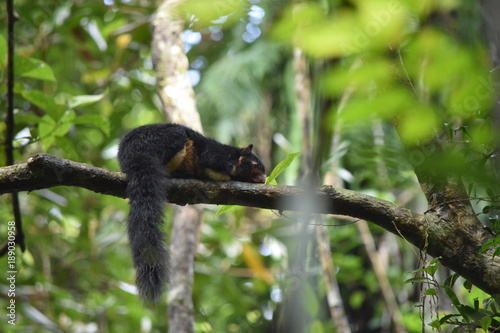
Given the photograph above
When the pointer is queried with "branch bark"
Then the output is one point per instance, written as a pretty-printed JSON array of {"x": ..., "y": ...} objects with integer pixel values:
[{"x": 458, "y": 247}]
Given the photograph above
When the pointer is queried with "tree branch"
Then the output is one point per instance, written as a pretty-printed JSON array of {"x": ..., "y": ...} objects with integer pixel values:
[
  {"x": 459, "y": 248},
  {"x": 44, "y": 171}
]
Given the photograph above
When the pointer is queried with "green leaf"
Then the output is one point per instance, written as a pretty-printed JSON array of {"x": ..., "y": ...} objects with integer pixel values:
[
  {"x": 44, "y": 102},
  {"x": 485, "y": 323},
  {"x": 41, "y": 100},
  {"x": 419, "y": 124},
  {"x": 3, "y": 52},
  {"x": 452, "y": 296},
  {"x": 320, "y": 35},
  {"x": 49, "y": 128},
  {"x": 225, "y": 12},
  {"x": 66, "y": 145},
  {"x": 310, "y": 300},
  {"x": 496, "y": 253},
  {"x": 450, "y": 281},
  {"x": 435, "y": 324},
  {"x": 84, "y": 100},
  {"x": 416, "y": 279},
  {"x": 45, "y": 131},
  {"x": 469, "y": 313},
  {"x": 33, "y": 68},
  {"x": 225, "y": 209},
  {"x": 431, "y": 291},
  {"x": 435, "y": 260},
  {"x": 65, "y": 123},
  {"x": 448, "y": 316},
  {"x": 28, "y": 118},
  {"x": 432, "y": 267},
  {"x": 281, "y": 167},
  {"x": 468, "y": 285},
  {"x": 95, "y": 120},
  {"x": 317, "y": 327},
  {"x": 357, "y": 299},
  {"x": 490, "y": 243}
]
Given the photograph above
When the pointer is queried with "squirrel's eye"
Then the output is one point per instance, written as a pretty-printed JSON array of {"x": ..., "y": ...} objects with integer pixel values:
[{"x": 254, "y": 162}]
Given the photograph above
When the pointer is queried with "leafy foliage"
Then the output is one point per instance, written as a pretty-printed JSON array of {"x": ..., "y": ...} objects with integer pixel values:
[
  {"x": 469, "y": 318},
  {"x": 84, "y": 77}
]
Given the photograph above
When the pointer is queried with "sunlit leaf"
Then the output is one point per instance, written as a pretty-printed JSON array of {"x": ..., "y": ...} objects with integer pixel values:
[
  {"x": 208, "y": 12},
  {"x": 383, "y": 22},
  {"x": 485, "y": 323},
  {"x": 295, "y": 17},
  {"x": 387, "y": 105},
  {"x": 435, "y": 324},
  {"x": 439, "y": 64},
  {"x": 225, "y": 209},
  {"x": 332, "y": 37},
  {"x": 356, "y": 299},
  {"x": 418, "y": 125},
  {"x": 426, "y": 7},
  {"x": 431, "y": 269},
  {"x": 281, "y": 167},
  {"x": 33, "y": 68},
  {"x": 471, "y": 94},
  {"x": 84, "y": 100},
  {"x": 374, "y": 25},
  {"x": 360, "y": 78}
]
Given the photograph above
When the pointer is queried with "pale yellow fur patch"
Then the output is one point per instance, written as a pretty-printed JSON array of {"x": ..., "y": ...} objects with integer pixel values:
[{"x": 214, "y": 175}]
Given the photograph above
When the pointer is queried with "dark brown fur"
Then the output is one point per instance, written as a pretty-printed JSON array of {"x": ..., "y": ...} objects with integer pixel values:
[{"x": 152, "y": 154}]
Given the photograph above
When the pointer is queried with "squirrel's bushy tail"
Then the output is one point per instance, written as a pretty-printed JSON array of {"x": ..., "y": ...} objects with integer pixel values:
[{"x": 146, "y": 190}]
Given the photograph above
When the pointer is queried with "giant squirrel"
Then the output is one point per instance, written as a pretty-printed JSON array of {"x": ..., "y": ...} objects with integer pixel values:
[{"x": 152, "y": 154}]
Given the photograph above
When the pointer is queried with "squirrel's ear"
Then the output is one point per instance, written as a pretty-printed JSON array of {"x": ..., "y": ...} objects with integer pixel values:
[{"x": 247, "y": 150}]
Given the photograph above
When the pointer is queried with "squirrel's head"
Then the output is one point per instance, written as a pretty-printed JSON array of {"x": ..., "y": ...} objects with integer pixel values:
[{"x": 248, "y": 168}]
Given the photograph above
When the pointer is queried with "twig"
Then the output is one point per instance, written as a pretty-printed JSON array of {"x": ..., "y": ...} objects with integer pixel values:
[
  {"x": 380, "y": 273},
  {"x": 335, "y": 302},
  {"x": 9, "y": 122}
]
